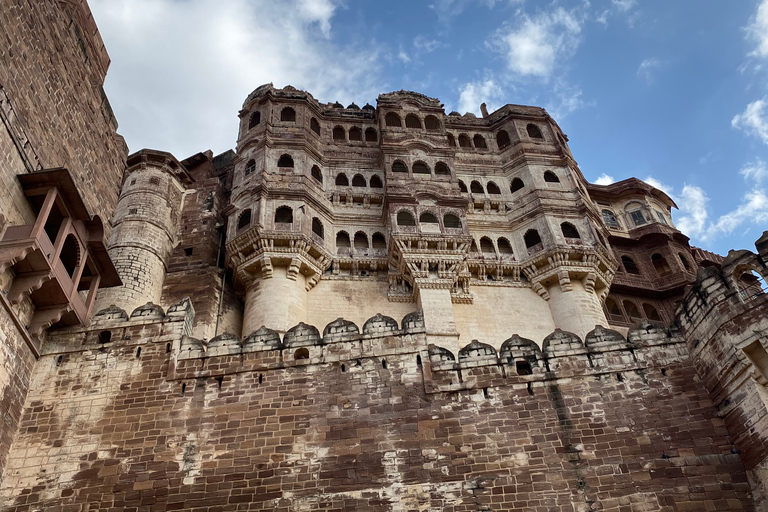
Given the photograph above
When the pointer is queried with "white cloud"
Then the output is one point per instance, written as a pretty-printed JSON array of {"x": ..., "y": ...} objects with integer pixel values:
[
  {"x": 757, "y": 30},
  {"x": 424, "y": 45},
  {"x": 752, "y": 210},
  {"x": 624, "y": 5},
  {"x": 403, "y": 56},
  {"x": 475, "y": 93},
  {"x": 659, "y": 185},
  {"x": 647, "y": 69},
  {"x": 534, "y": 46},
  {"x": 448, "y": 9},
  {"x": 565, "y": 99},
  {"x": 756, "y": 171},
  {"x": 604, "y": 179},
  {"x": 693, "y": 210},
  {"x": 179, "y": 89},
  {"x": 754, "y": 119}
]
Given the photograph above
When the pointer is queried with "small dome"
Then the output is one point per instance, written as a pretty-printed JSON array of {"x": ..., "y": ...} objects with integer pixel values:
[
  {"x": 338, "y": 105},
  {"x": 352, "y": 106},
  {"x": 454, "y": 113},
  {"x": 370, "y": 107}
]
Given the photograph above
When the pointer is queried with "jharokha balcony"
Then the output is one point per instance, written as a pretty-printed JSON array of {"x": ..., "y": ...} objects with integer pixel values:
[{"x": 58, "y": 262}]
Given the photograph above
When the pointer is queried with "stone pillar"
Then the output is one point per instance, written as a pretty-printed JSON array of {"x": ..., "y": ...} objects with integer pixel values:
[
  {"x": 278, "y": 302},
  {"x": 143, "y": 236},
  {"x": 437, "y": 307},
  {"x": 576, "y": 310}
]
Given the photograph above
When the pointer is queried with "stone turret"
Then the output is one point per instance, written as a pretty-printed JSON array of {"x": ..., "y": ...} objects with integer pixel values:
[{"x": 145, "y": 228}]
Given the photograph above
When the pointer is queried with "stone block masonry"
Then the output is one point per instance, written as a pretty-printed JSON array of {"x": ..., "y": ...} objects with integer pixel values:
[{"x": 372, "y": 420}]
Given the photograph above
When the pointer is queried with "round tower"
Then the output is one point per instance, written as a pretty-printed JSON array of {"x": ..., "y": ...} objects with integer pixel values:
[{"x": 145, "y": 226}]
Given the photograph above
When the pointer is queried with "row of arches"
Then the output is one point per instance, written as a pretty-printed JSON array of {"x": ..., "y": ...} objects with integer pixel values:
[
  {"x": 631, "y": 313},
  {"x": 531, "y": 238},
  {"x": 477, "y": 142},
  {"x": 502, "y": 246},
  {"x": 355, "y": 134},
  {"x": 492, "y": 188},
  {"x": 406, "y": 218},
  {"x": 658, "y": 261},
  {"x": 358, "y": 180},
  {"x": 360, "y": 241},
  {"x": 412, "y": 121},
  {"x": 420, "y": 167}
]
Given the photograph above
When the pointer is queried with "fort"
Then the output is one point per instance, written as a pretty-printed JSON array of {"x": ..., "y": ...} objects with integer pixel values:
[{"x": 376, "y": 308}]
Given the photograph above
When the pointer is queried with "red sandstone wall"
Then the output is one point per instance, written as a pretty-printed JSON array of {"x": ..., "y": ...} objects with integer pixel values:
[
  {"x": 52, "y": 66},
  {"x": 616, "y": 428}
]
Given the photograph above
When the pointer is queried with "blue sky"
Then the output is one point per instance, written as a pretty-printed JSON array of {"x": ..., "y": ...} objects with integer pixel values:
[{"x": 672, "y": 92}]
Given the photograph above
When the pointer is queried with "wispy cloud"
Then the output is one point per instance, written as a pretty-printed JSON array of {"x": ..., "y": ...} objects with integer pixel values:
[
  {"x": 446, "y": 10},
  {"x": 757, "y": 31},
  {"x": 647, "y": 69},
  {"x": 565, "y": 99},
  {"x": 533, "y": 46},
  {"x": 754, "y": 119},
  {"x": 473, "y": 94},
  {"x": 233, "y": 49},
  {"x": 755, "y": 171}
]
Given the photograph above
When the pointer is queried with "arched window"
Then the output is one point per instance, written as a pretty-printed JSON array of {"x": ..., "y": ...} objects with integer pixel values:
[
  {"x": 476, "y": 188},
  {"x": 441, "y": 169},
  {"x": 339, "y": 133},
  {"x": 317, "y": 173},
  {"x": 451, "y": 139},
  {"x": 371, "y": 135},
  {"x": 405, "y": 218},
  {"x": 285, "y": 161},
  {"x": 399, "y": 166},
  {"x": 284, "y": 215},
  {"x": 392, "y": 119},
  {"x": 569, "y": 230},
  {"x": 635, "y": 212},
  {"x": 412, "y": 121},
  {"x": 464, "y": 141},
  {"x": 493, "y": 188},
  {"x": 684, "y": 261},
  {"x": 651, "y": 313},
  {"x": 314, "y": 126},
  {"x": 70, "y": 254},
  {"x": 378, "y": 241},
  {"x": 532, "y": 239},
  {"x": 421, "y": 168},
  {"x": 250, "y": 166},
  {"x": 451, "y": 221},
  {"x": 630, "y": 267},
  {"x": 613, "y": 310},
  {"x": 534, "y": 132},
  {"x": 244, "y": 220},
  {"x": 631, "y": 310},
  {"x": 462, "y": 186},
  {"x": 551, "y": 177},
  {"x": 502, "y": 139},
  {"x": 301, "y": 353},
  {"x": 504, "y": 246},
  {"x": 480, "y": 142},
  {"x": 355, "y": 133},
  {"x": 361, "y": 240},
  {"x": 431, "y": 123},
  {"x": 428, "y": 218},
  {"x": 317, "y": 228},
  {"x": 610, "y": 219},
  {"x": 342, "y": 241},
  {"x": 660, "y": 264},
  {"x": 358, "y": 181},
  {"x": 516, "y": 185},
  {"x": 751, "y": 285},
  {"x": 254, "y": 120},
  {"x": 486, "y": 246},
  {"x": 376, "y": 182},
  {"x": 473, "y": 247},
  {"x": 342, "y": 180},
  {"x": 288, "y": 115}
]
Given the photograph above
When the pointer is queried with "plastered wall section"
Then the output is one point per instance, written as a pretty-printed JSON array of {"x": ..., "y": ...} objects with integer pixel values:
[
  {"x": 355, "y": 300},
  {"x": 498, "y": 312},
  {"x": 116, "y": 429},
  {"x": 577, "y": 311}
]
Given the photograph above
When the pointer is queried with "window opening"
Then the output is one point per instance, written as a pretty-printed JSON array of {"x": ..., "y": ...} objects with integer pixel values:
[
  {"x": 361, "y": 240},
  {"x": 534, "y": 132},
  {"x": 451, "y": 221},
  {"x": 523, "y": 368},
  {"x": 610, "y": 219},
  {"x": 255, "y": 119},
  {"x": 301, "y": 353},
  {"x": 651, "y": 313},
  {"x": 476, "y": 187},
  {"x": 244, "y": 219},
  {"x": 441, "y": 169},
  {"x": 392, "y": 119},
  {"x": 285, "y": 161},
  {"x": 288, "y": 115},
  {"x": 317, "y": 228},
  {"x": 339, "y": 133},
  {"x": 399, "y": 166},
  {"x": 412, "y": 121},
  {"x": 250, "y": 167},
  {"x": 462, "y": 186},
  {"x": 405, "y": 218},
  {"x": 502, "y": 139},
  {"x": 532, "y": 238},
  {"x": 371, "y": 135},
  {"x": 493, "y": 188},
  {"x": 428, "y": 218},
  {"x": 569, "y": 230},
  {"x": 487, "y": 246},
  {"x": 451, "y": 139},
  {"x": 358, "y": 181},
  {"x": 342, "y": 180},
  {"x": 517, "y": 184},
  {"x": 684, "y": 261},
  {"x": 284, "y": 215},
  {"x": 70, "y": 254},
  {"x": 660, "y": 264},
  {"x": 355, "y": 134},
  {"x": 631, "y": 310},
  {"x": 317, "y": 173},
  {"x": 314, "y": 126},
  {"x": 629, "y": 265},
  {"x": 431, "y": 123},
  {"x": 378, "y": 241},
  {"x": 376, "y": 182},
  {"x": 421, "y": 168},
  {"x": 464, "y": 141},
  {"x": 480, "y": 142},
  {"x": 551, "y": 177},
  {"x": 342, "y": 240},
  {"x": 504, "y": 246}
]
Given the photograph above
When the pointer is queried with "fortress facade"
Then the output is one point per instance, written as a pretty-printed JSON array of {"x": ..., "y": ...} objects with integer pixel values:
[{"x": 357, "y": 308}]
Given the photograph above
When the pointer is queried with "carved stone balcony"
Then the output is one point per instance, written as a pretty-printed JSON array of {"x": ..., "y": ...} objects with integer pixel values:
[{"x": 59, "y": 261}]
